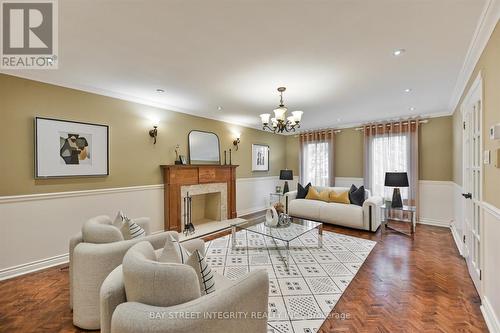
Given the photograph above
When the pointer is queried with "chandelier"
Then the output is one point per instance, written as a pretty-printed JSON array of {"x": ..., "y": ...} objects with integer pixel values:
[{"x": 280, "y": 123}]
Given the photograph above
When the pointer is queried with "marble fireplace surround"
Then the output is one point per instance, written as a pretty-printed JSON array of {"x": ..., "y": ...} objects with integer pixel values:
[{"x": 199, "y": 189}]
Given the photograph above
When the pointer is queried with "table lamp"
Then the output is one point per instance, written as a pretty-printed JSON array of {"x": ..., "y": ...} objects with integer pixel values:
[
  {"x": 396, "y": 180},
  {"x": 286, "y": 175}
]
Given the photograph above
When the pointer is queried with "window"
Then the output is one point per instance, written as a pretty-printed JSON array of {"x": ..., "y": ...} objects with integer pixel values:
[
  {"x": 388, "y": 154},
  {"x": 316, "y": 163}
]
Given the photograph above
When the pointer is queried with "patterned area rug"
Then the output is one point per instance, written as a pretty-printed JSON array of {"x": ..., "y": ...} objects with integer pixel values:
[{"x": 302, "y": 297}]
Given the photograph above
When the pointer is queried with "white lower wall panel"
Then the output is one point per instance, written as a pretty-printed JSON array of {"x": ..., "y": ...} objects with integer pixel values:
[
  {"x": 490, "y": 288},
  {"x": 252, "y": 194},
  {"x": 436, "y": 202},
  {"x": 36, "y": 228},
  {"x": 348, "y": 181}
]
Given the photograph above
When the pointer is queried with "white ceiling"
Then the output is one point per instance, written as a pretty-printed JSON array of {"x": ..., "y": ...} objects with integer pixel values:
[{"x": 334, "y": 57}]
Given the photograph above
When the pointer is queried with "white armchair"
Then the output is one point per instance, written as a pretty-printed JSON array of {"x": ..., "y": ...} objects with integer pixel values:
[
  {"x": 144, "y": 295},
  {"x": 93, "y": 254}
]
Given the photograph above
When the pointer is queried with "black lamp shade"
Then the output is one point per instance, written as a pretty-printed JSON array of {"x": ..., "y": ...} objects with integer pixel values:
[
  {"x": 286, "y": 175},
  {"x": 396, "y": 179}
]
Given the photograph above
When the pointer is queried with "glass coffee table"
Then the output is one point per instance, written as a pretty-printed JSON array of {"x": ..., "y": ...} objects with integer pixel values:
[{"x": 285, "y": 234}]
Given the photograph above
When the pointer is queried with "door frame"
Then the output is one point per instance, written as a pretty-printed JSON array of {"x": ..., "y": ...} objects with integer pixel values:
[{"x": 475, "y": 90}]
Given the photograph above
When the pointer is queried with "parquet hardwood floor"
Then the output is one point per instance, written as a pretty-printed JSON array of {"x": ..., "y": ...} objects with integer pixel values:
[{"x": 405, "y": 285}]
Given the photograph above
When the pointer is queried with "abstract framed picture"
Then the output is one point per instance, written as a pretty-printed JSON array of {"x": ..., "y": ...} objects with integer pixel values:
[
  {"x": 70, "y": 149},
  {"x": 260, "y": 157}
]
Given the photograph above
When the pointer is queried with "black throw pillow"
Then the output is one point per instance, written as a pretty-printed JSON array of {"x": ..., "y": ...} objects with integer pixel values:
[
  {"x": 357, "y": 195},
  {"x": 302, "y": 191}
]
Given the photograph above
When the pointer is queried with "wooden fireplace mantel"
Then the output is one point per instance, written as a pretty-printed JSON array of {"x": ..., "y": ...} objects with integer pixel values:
[{"x": 176, "y": 176}]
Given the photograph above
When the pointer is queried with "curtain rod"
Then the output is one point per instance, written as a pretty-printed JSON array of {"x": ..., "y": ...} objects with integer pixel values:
[
  {"x": 319, "y": 131},
  {"x": 424, "y": 121}
]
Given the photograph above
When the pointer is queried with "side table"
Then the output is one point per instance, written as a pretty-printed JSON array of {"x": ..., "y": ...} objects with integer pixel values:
[{"x": 412, "y": 210}]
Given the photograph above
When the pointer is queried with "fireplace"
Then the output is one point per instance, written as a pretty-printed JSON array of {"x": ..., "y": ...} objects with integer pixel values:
[
  {"x": 205, "y": 208},
  {"x": 202, "y": 203},
  {"x": 208, "y": 186}
]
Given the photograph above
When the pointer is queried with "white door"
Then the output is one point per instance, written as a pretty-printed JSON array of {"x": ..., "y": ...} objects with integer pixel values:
[{"x": 472, "y": 180}]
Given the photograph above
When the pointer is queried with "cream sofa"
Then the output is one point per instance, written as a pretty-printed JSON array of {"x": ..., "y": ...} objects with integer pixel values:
[
  {"x": 93, "y": 254},
  {"x": 366, "y": 217},
  {"x": 129, "y": 290}
]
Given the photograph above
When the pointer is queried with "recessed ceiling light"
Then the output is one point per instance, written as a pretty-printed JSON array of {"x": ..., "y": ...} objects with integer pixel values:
[
  {"x": 160, "y": 90},
  {"x": 219, "y": 108},
  {"x": 338, "y": 120},
  {"x": 407, "y": 90},
  {"x": 412, "y": 108},
  {"x": 398, "y": 52}
]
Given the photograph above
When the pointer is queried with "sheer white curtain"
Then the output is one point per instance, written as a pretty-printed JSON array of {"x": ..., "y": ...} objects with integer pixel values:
[
  {"x": 392, "y": 147},
  {"x": 389, "y": 153},
  {"x": 316, "y": 158}
]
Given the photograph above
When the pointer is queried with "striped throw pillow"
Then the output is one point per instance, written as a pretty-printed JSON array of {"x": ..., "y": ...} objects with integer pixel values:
[
  {"x": 134, "y": 230},
  {"x": 204, "y": 272}
]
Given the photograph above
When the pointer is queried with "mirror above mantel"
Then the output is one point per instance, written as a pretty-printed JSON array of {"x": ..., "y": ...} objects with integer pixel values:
[{"x": 204, "y": 148}]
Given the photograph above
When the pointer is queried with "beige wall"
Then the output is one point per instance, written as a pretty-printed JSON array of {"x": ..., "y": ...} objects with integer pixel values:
[
  {"x": 435, "y": 151},
  {"x": 489, "y": 66},
  {"x": 134, "y": 160},
  {"x": 292, "y": 153},
  {"x": 349, "y": 153}
]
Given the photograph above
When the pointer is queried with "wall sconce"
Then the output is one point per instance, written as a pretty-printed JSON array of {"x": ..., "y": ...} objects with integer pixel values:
[
  {"x": 154, "y": 132},
  {"x": 236, "y": 142}
]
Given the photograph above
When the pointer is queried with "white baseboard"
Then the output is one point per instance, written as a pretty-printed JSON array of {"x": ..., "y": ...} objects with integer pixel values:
[
  {"x": 491, "y": 320},
  {"x": 434, "y": 222},
  {"x": 458, "y": 240},
  {"x": 34, "y": 266}
]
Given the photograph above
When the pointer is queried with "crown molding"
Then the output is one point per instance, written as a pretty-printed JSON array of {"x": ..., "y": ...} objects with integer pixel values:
[
  {"x": 486, "y": 24},
  {"x": 124, "y": 97},
  {"x": 341, "y": 126}
]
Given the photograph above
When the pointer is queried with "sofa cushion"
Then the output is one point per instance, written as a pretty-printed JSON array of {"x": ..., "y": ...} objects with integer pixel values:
[
  {"x": 341, "y": 214},
  {"x": 308, "y": 209},
  {"x": 339, "y": 197},
  {"x": 302, "y": 191},
  {"x": 312, "y": 194},
  {"x": 357, "y": 195},
  {"x": 324, "y": 195}
]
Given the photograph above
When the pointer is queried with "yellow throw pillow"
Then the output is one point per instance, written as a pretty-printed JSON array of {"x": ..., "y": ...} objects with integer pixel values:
[
  {"x": 312, "y": 194},
  {"x": 324, "y": 196},
  {"x": 342, "y": 197}
]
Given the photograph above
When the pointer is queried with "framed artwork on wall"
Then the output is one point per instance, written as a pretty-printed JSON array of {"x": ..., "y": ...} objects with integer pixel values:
[
  {"x": 260, "y": 157},
  {"x": 70, "y": 149}
]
